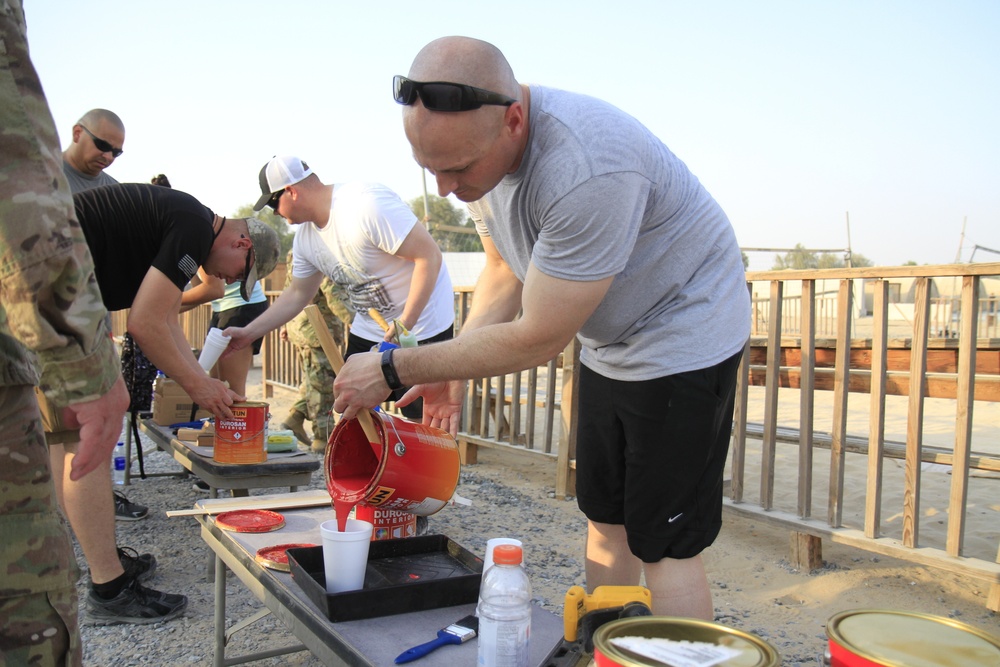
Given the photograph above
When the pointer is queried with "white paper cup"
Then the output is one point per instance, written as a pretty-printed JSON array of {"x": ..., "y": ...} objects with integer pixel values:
[
  {"x": 216, "y": 343},
  {"x": 488, "y": 560},
  {"x": 345, "y": 554}
]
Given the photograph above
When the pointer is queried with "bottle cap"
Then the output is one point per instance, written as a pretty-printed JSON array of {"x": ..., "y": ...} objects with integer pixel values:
[{"x": 507, "y": 554}]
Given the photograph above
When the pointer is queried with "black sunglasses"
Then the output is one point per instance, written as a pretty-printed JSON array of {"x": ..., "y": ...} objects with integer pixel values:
[
  {"x": 445, "y": 96},
  {"x": 102, "y": 145},
  {"x": 273, "y": 201}
]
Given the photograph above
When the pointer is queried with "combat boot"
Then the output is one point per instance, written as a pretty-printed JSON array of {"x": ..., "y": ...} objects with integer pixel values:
[
  {"x": 293, "y": 423},
  {"x": 319, "y": 446}
]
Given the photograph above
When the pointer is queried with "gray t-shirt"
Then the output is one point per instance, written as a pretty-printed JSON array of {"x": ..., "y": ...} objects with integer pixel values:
[
  {"x": 80, "y": 182},
  {"x": 598, "y": 195}
]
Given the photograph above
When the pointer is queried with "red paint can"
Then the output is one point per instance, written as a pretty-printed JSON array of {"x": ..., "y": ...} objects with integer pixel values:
[
  {"x": 413, "y": 468},
  {"x": 883, "y": 638},
  {"x": 242, "y": 439}
]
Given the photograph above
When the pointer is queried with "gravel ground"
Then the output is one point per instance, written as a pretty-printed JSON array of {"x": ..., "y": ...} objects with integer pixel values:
[{"x": 753, "y": 585}]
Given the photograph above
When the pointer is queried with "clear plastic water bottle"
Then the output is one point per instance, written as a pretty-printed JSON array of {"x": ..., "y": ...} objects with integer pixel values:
[
  {"x": 118, "y": 464},
  {"x": 505, "y": 612}
]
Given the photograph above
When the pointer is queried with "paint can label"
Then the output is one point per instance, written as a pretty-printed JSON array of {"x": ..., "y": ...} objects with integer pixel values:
[
  {"x": 242, "y": 439},
  {"x": 389, "y": 524}
]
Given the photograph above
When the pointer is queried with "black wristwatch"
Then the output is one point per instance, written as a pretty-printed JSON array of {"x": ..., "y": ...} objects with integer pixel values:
[{"x": 389, "y": 371}]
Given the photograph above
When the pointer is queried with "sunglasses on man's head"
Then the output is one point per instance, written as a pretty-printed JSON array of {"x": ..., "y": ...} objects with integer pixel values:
[
  {"x": 445, "y": 96},
  {"x": 103, "y": 145}
]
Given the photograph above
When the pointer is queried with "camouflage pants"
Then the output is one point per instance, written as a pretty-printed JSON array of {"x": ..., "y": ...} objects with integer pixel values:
[
  {"x": 315, "y": 399},
  {"x": 38, "y": 600}
]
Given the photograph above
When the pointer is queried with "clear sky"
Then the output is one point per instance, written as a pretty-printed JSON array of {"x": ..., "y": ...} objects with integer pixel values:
[{"x": 795, "y": 115}]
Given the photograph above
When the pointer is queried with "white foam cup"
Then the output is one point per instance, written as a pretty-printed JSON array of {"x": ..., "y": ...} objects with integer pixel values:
[
  {"x": 216, "y": 343},
  {"x": 488, "y": 560},
  {"x": 345, "y": 554}
]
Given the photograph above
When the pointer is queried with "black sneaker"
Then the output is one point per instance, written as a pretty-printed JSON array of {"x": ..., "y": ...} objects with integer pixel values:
[
  {"x": 137, "y": 566},
  {"x": 128, "y": 511},
  {"x": 135, "y": 604},
  {"x": 201, "y": 486},
  {"x": 422, "y": 525}
]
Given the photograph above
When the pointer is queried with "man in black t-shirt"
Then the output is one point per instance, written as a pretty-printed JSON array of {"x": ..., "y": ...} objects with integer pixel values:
[{"x": 148, "y": 243}]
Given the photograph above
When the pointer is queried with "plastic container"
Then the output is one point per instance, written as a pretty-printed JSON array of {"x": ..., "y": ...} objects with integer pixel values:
[
  {"x": 505, "y": 611},
  {"x": 118, "y": 465}
]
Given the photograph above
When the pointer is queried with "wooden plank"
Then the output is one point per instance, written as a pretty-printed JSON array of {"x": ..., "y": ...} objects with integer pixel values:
[
  {"x": 896, "y": 384},
  {"x": 298, "y": 500},
  {"x": 737, "y": 469},
  {"x": 807, "y": 398},
  {"x": 565, "y": 475},
  {"x": 855, "y": 444},
  {"x": 835, "y": 505},
  {"x": 531, "y": 409},
  {"x": 550, "y": 407},
  {"x": 484, "y": 412},
  {"x": 336, "y": 359},
  {"x": 963, "y": 416},
  {"x": 927, "y": 270},
  {"x": 876, "y": 423},
  {"x": 771, "y": 396},
  {"x": 927, "y": 556},
  {"x": 897, "y": 359},
  {"x": 915, "y": 416}
]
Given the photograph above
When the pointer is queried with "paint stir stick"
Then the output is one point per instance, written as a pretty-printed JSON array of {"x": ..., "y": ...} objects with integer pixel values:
[{"x": 337, "y": 362}]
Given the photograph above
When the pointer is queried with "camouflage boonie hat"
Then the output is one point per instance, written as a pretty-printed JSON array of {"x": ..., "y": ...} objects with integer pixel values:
[{"x": 266, "y": 246}]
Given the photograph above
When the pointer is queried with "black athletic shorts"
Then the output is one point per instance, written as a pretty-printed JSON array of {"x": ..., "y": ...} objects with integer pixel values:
[
  {"x": 650, "y": 456},
  {"x": 240, "y": 316}
]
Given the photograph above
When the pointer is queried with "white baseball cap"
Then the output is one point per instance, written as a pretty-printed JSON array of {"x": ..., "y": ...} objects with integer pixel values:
[{"x": 278, "y": 174}]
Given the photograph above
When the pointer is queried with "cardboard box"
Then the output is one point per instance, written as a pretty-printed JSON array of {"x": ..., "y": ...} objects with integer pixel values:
[
  {"x": 169, "y": 410},
  {"x": 203, "y": 437},
  {"x": 168, "y": 388}
]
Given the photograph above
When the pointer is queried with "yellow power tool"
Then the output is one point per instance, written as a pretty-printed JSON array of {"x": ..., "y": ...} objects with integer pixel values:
[{"x": 585, "y": 612}]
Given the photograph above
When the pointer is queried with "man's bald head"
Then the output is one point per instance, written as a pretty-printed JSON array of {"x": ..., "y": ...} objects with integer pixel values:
[
  {"x": 98, "y": 117},
  {"x": 469, "y": 152},
  {"x": 466, "y": 60}
]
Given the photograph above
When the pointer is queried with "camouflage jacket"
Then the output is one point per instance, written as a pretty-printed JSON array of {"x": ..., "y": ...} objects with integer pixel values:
[
  {"x": 53, "y": 324},
  {"x": 332, "y": 303}
]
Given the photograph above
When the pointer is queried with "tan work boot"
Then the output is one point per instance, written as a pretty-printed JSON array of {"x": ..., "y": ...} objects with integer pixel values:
[
  {"x": 319, "y": 446},
  {"x": 293, "y": 423}
]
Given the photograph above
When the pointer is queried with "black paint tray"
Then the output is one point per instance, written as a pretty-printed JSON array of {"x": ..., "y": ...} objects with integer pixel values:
[{"x": 403, "y": 575}]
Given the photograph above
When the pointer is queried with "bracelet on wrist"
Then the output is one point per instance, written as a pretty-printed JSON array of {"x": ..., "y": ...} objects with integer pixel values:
[{"x": 389, "y": 370}]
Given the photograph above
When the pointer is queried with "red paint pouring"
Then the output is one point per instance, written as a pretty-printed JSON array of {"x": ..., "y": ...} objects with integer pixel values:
[{"x": 414, "y": 468}]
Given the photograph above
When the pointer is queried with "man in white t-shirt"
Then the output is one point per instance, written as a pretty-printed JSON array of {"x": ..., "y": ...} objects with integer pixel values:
[{"x": 365, "y": 238}]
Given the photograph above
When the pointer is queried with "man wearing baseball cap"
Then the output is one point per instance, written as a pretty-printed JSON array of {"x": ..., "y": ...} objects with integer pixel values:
[{"x": 365, "y": 238}]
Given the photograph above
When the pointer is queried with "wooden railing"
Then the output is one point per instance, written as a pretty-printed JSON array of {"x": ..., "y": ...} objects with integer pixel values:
[{"x": 962, "y": 368}]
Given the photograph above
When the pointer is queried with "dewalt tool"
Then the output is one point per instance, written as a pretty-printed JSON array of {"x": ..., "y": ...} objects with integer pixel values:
[{"x": 612, "y": 601}]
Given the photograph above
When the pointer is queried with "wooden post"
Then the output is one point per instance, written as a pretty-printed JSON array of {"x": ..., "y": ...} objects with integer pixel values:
[{"x": 806, "y": 551}]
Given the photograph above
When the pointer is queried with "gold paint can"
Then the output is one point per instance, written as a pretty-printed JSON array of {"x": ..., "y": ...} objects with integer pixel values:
[
  {"x": 753, "y": 651},
  {"x": 885, "y": 638}
]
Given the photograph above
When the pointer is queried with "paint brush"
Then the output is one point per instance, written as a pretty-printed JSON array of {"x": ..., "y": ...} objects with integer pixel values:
[{"x": 458, "y": 632}]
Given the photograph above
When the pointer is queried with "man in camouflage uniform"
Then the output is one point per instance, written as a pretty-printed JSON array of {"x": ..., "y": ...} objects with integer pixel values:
[
  {"x": 315, "y": 399},
  {"x": 50, "y": 301}
]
